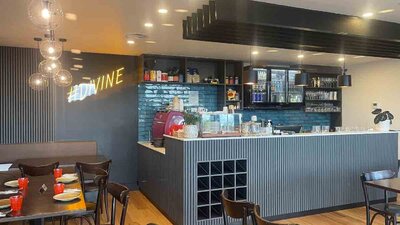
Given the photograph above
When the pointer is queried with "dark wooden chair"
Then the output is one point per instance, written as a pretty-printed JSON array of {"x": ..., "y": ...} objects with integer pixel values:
[
  {"x": 41, "y": 170},
  {"x": 93, "y": 208},
  {"x": 236, "y": 210},
  {"x": 87, "y": 183},
  {"x": 389, "y": 211},
  {"x": 258, "y": 220},
  {"x": 119, "y": 193}
]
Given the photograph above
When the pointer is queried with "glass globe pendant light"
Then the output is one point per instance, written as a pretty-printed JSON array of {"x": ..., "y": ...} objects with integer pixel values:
[
  {"x": 38, "y": 82},
  {"x": 45, "y": 14},
  {"x": 50, "y": 49},
  {"x": 49, "y": 68},
  {"x": 63, "y": 78}
]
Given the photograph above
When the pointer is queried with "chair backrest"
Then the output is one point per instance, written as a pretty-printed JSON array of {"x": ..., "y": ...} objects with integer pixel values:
[
  {"x": 235, "y": 209},
  {"x": 37, "y": 170},
  {"x": 258, "y": 220},
  {"x": 119, "y": 193},
  {"x": 374, "y": 176},
  {"x": 91, "y": 168},
  {"x": 100, "y": 180}
]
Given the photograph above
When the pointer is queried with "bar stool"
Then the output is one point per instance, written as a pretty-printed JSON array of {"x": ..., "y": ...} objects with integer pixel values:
[{"x": 236, "y": 210}]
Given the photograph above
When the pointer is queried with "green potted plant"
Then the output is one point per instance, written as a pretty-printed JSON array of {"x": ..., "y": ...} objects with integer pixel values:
[
  {"x": 383, "y": 119},
  {"x": 191, "y": 129}
]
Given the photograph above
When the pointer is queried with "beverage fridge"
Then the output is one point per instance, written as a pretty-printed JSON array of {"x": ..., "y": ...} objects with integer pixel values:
[{"x": 272, "y": 87}]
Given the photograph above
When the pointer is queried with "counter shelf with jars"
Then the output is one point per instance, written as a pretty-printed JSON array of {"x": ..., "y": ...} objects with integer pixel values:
[{"x": 220, "y": 124}]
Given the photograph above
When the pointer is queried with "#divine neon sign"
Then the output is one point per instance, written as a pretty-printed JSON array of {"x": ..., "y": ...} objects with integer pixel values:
[{"x": 101, "y": 83}]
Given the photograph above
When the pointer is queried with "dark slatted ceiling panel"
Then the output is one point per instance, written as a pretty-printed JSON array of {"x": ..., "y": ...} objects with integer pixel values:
[{"x": 26, "y": 116}]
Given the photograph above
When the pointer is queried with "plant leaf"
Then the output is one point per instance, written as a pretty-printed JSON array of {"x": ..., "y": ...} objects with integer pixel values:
[
  {"x": 376, "y": 111},
  {"x": 377, "y": 119},
  {"x": 390, "y": 116},
  {"x": 384, "y": 117}
]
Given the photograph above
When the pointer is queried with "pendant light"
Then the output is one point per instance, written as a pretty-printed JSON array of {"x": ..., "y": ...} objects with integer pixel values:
[
  {"x": 344, "y": 80},
  {"x": 36, "y": 81},
  {"x": 45, "y": 14},
  {"x": 250, "y": 77},
  {"x": 301, "y": 79}
]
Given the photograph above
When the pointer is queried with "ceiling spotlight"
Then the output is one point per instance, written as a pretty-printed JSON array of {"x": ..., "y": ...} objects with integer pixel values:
[
  {"x": 148, "y": 25},
  {"x": 181, "y": 10},
  {"x": 163, "y": 11},
  {"x": 71, "y": 16},
  {"x": 254, "y": 52},
  {"x": 359, "y": 57},
  {"x": 168, "y": 24},
  {"x": 78, "y": 59},
  {"x": 76, "y": 51},
  {"x": 318, "y": 53},
  {"x": 74, "y": 69},
  {"x": 341, "y": 59},
  {"x": 386, "y": 11},
  {"x": 86, "y": 78},
  {"x": 130, "y": 42},
  {"x": 272, "y": 50},
  {"x": 78, "y": 66},
  {"x": 368, "y": 15},
  {"x": 301, "y": 56},
  {"x": 151, "y": 42}
]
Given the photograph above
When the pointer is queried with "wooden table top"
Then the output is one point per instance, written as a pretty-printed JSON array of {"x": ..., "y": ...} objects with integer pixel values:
[
  {"x": 64, "y": 161},
  {"x": 38, "y": 205},
  {"x": 392, "y": 185}
]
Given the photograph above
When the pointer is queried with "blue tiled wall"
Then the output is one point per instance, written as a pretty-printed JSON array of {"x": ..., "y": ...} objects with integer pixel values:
[
  {"x": 289, "y": 117},
  {"x": 156, "y": 96}
]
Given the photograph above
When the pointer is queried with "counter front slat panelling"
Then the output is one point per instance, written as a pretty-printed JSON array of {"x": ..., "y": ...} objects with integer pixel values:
[
  {"x": 27, "y": 116},
  {"x": 293, "y": 174}
]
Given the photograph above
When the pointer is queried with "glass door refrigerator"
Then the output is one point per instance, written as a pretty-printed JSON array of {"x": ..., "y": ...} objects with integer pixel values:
[
  {"x": 295, "y": 93},
  {"x": 278, "y": 86}
]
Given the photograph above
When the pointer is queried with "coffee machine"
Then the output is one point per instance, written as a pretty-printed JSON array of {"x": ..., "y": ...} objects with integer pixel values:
[{"x": 162, "y": 123}]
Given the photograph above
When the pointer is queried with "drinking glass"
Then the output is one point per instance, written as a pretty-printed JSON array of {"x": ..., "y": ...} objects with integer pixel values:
[
  {"x": 316, "y": 129},
  {"x": 16, "y": 202},
  {"x": 23, "y": 182},
  {"x": 59, "y": 188},
  {"x": 57, "y": 173}
]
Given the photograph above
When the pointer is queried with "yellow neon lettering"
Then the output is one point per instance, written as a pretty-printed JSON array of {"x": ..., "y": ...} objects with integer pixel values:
[
  {"x": 110, "y": 81},
  {"x": 117, "y": 81}
]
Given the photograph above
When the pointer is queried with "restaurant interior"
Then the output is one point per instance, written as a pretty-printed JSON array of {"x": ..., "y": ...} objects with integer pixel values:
[{"x": 199, "y": 112}]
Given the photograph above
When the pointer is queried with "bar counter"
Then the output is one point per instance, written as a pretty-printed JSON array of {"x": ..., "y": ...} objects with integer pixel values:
[{"x": 288, "y": 176}]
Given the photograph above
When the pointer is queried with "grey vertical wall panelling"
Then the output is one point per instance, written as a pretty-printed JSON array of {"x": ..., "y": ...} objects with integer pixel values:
[
  {"x": 26, "y": 115},
  {"x": 294, "y": 174}
]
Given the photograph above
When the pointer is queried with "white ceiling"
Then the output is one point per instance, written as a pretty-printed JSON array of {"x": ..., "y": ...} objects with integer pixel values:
[{"x": 102, "y": 25}]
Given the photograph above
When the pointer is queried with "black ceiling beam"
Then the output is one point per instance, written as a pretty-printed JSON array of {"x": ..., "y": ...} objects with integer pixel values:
[{"x": 263, "y": 24}]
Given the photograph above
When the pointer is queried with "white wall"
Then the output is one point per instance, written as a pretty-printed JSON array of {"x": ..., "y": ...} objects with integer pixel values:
[{"x": 372, "y": 82}]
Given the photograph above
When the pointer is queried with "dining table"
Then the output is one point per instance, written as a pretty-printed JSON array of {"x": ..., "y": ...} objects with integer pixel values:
[
  {"x": 391, "y": 185},
  {"x": 38, "y": 203}
]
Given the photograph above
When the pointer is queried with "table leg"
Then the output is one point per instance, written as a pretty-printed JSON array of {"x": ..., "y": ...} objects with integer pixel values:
[{"x": 37, "y": 222}]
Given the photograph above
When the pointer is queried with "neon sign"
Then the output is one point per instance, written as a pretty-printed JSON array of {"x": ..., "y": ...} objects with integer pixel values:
[{"x": 101, "y": 83}]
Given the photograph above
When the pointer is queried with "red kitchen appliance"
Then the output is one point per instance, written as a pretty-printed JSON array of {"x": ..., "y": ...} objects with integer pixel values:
[{"x": 163, "y": 121}]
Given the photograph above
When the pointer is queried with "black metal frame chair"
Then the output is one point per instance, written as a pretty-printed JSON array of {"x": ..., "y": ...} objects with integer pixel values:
[
  {"x": 388, "y": 211},
  {"x": 235, "y": 209},
  {"x": 119, "y": 193},
  {"x": 41, "y": 170}
]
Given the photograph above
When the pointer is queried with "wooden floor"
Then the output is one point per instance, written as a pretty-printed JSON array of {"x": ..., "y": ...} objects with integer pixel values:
[{"x": 142, "y": 212}]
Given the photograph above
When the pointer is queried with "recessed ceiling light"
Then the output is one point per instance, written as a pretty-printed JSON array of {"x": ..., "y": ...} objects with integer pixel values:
[
  {"x": 78, "y": 66},
  {"x": 300, "y": 56},
  {"x": 79, "y": 59},
  {"x": 71, "y": 16},
  {"x": 254, "y": 52},
  {"x": 163, "y": 11},
  {"x": 74, "y": 69},
  {"x": 148, "y": 25},
  {"x": 181, "y": 10},
  {"x": 151, "y": 42},
  {"x": 341, "y": 59},
  {"x": 76, "y": 51},
  {"x": 318, "y": 53},
  {"x": 386, "y": 11},
  {"x": 368, "y": 15},
  {"x": 86, "y": 78},
  {"x": 359, "y": 57},
  {"x": 130, "y": 42},
  {"x": 272, "y": 50},
  {"x": 168, "y": 24}
]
